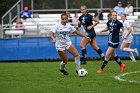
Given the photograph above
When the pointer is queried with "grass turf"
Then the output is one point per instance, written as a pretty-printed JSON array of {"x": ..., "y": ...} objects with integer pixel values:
[{"x": 44, "y": 77}]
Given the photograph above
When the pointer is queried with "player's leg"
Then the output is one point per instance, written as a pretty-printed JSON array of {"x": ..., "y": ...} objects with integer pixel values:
[
  {"x": 75, "y": 53},
  {"x": 64, "y": 59},
  {"x": 94, "y": 45},
  {"x": 109, "y": 51},
  {"x": 131, "y": 54},
  {"x": 83, "y": 44},
  {"x": 117, "y": 59},
  {"x": 126, "y": 47},
  {"x": 126, "y": 44}
]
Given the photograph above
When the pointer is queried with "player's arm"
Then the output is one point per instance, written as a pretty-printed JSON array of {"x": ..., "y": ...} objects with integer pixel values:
[
  {"x": 52, "y": 37},
  {"x": 80, "y": 34},
  {"x": 96, "y": 21},
  {"x": 121, "y": 29},
  {"x": 129, "y": 30},
  {"x": 79, "y": 24},
  {"x": 104, "y": 30}
]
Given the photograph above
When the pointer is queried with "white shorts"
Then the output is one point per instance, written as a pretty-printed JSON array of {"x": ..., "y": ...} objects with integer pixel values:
[
  {"x": 128, "y": 40},
  {"x": 61, "y": 47}
]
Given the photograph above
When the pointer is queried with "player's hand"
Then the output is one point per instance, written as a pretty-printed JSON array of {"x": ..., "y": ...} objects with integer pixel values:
[
  {"x": 54, "y": 40},
  {"x": 89, "y": 27},
  {"x": 123, "y": 37},
  {"x": 100, "y": 32},
  {"x": 88, "y": 38}
]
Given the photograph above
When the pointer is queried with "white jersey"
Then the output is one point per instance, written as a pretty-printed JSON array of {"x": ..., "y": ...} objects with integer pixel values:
[
  {"x": 126, "y": 25},
  {"x": 130, "y": 37},
  {"x": 62, "y": 35}
]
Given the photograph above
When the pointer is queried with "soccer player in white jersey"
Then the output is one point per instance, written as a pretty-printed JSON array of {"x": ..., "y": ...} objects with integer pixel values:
[
  {"x": 127, "y": 39},
  {"x": 62, "y": 42}
]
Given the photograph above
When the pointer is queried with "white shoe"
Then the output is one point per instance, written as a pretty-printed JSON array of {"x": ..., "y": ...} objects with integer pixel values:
[
  {"x": 136, "y": 51},
  {"x": 133, "y": 61}
]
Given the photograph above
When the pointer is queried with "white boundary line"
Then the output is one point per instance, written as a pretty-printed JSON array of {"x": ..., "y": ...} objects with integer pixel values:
[{"x": 118, "y": 77}]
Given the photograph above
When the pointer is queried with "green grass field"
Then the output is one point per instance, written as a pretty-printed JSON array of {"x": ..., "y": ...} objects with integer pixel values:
[{"x": 44, "y": 77}]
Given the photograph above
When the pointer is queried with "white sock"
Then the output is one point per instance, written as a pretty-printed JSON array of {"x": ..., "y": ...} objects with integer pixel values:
[
  {"x": 62, "y": 65},
  {"x": 128, "y": 50},
  {"x": 77, "y": 62},
  {"x": 132, "y": 57}
]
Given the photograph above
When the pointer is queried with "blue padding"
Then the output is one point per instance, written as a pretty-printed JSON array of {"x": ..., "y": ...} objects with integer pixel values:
[{"x": 43, "y": 48}]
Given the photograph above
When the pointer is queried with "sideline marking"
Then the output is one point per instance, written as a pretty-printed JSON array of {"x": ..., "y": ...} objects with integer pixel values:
[{"x": 118, "y": 77}]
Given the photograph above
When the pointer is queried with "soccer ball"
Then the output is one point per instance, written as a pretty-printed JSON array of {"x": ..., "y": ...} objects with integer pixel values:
[{"x": 82, "y": 72}]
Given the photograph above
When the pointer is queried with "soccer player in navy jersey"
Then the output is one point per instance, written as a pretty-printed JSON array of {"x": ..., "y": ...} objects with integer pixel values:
[
  {"x": 114, "y": 26},
  {"x": 87, "y": 21}
]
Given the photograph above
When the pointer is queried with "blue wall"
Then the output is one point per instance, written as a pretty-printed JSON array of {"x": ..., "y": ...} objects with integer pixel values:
[{"x": 43, "y": 48}]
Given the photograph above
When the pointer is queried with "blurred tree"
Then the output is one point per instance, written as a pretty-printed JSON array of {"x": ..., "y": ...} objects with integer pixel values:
[{"x": 5, "y": 6}]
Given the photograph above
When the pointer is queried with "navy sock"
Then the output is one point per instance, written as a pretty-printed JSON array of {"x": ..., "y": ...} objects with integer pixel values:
[
  {"x": 101, "y": 54},
  {"x": 117, "y": 59},
  {"x": 104, "y": 64},
  {"x": 84, "y": 53}
]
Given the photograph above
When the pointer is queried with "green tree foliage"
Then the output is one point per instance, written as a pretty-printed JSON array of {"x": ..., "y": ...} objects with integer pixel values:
[{"x": 5, "y": 6}]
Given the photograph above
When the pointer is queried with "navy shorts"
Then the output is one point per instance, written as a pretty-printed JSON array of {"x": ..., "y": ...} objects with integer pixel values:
[
  {"x": 91, "y": 34},
  {"x": 113, "y": 45}
]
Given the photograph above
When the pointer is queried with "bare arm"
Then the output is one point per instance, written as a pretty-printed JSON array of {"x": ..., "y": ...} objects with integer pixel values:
[
  {"x": 52, "y": 37},
  {"x": 104, "y": 30},
  {"x": 79, "y": 24},
  {"x": 96, "y": 21},
  {"x": 127, "y": 34},
  {"x": 80, "y": 34}
]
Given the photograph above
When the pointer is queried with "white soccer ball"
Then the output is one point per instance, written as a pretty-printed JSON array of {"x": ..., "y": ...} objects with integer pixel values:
[{"x": 82, "y": 72}]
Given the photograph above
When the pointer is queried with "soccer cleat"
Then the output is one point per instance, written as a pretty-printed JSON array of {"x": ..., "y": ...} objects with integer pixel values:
[
  {"x": 76, "y": 72},
  {"x": 122, "y": 67},
  {"x": 64, "y": 72},
  {"x": 136, "y": 51},
  {"x": 100, "y": 70}
]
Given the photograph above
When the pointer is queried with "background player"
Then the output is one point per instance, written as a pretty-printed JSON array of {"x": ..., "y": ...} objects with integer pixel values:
[
  {"x": 63, "y": 42},
  {"x": 113, "y": 26},
  {"x": 87, "y": 21},
  {"x": 127, "y": 38}
]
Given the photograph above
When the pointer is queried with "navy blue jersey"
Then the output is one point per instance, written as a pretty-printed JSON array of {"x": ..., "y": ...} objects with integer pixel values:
[
  {"x": 86, "y": 20},
  {"x": 114, "y": 29}
]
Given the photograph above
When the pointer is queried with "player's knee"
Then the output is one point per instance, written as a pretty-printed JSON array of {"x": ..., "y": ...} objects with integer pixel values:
[
  {"x": 107, "y": 57},
  {"x": 121, "y": 49}
]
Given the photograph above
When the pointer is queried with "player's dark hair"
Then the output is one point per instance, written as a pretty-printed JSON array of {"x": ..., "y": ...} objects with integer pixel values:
[
  {"x": 125, "y": 16},
  {"x": 64, "y": 14}
]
